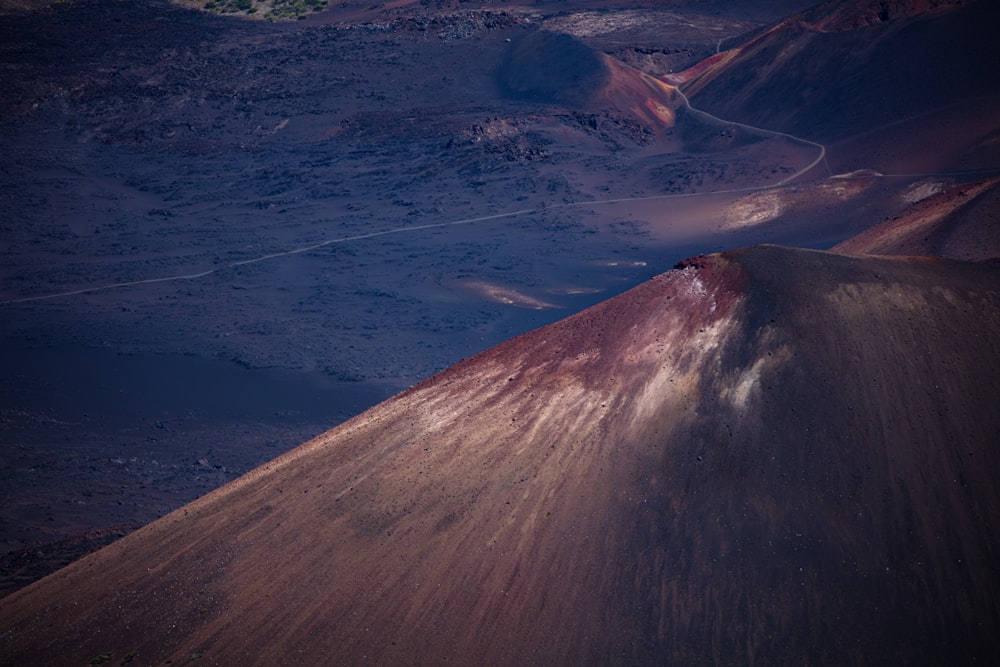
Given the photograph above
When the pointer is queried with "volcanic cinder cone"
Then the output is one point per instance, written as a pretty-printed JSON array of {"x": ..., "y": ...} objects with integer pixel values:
[
  {"x": 768, "y": 456},
  {"x": 557, "y": 68}
]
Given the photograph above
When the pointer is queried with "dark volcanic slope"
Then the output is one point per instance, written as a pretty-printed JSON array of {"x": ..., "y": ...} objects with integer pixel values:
[
  {"x": 554, "y": 67},
  {"x": 840, "y": 68},
  {"x": 767, "y": 456}
]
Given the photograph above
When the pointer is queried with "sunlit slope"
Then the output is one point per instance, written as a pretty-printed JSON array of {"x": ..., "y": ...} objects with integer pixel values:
[
  {"x": 768, "y": 455},
  {"x": 960, "y": 222}
]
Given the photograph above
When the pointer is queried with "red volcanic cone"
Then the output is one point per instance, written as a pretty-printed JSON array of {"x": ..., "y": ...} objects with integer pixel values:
[{"x": 767, "y": 456}]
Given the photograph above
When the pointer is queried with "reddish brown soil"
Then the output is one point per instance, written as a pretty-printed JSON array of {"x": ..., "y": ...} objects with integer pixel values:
[{"x": 769, "y": 455}]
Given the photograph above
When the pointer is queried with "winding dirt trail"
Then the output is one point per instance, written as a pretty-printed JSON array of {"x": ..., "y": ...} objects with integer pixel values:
[
  {"x": 774, "y": 133},
  {"x": 465, "y": 221}
]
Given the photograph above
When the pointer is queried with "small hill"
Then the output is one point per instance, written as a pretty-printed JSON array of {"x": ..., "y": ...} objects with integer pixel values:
[
  {"x": 959, "y": 223},
  {"x": 556, "y": 68},
  {"x": 764, "y": 456}
]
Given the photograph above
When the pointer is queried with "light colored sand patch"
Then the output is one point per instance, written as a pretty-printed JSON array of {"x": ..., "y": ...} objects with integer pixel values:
[
  {"x": 922, "y": 190},
  {"x": 629, "y": 264},
  {"x": 745, "y": 387},
  {"x": 753, "y": 210},
  {"x": 570, "y": 290},
  {"x": 676, "y": 384},
  {"x": 680, "y": 357},
  {"x": 762, "y": 207},
  {"x": 506, "y": 295},
  {"x": 859, "y": 173},
  {"x": 843, "y": 189},
  {"x": 691, "y": 285}
]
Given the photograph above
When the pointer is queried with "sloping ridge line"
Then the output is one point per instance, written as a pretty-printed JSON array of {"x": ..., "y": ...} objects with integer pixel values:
[{"x": 767, "y": 455}]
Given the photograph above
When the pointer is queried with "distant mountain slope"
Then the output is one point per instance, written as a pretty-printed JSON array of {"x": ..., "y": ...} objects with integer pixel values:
[
  {"x": 768, "y": 456},
  {"x": 960, "y": 223},
  {"x": 840, "y": 15},
  {"x": 842, "y": 68}
]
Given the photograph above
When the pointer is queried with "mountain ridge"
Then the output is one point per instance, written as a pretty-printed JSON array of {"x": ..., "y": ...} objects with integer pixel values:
[
  {"x": 727, "y": 463},
  {"x": 926, "y": 60}
]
